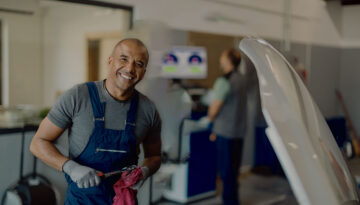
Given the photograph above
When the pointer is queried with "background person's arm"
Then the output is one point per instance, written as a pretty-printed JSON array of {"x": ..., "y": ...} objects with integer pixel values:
[
  {"x": 42, "y": 145},
  {"x": 214, "y": 109},
  {"x": 221, "y": 91}
]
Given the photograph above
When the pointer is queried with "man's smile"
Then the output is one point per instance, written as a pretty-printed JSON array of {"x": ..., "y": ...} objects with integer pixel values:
[{"x": 126, "y": 76}]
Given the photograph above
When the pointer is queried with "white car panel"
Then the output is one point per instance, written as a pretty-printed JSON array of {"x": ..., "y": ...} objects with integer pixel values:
[{"x": 298, "y": 132}]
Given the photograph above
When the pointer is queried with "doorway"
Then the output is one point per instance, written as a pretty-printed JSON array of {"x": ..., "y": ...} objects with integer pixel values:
[{"x": 99, "y": 48}]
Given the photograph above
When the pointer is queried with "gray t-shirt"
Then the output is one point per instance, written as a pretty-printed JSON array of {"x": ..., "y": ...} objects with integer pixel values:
[
  {"x": 73, "y": 110},
  {"x": 230, "y": 122}
]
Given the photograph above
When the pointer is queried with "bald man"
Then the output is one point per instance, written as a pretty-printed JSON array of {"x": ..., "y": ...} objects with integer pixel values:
[{"x": 107, "y": 121}]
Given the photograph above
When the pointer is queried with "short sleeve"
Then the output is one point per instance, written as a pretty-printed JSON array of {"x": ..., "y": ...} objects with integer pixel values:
[
  {"x": 62, "y": 112},
  {"x": 154, "y": 133},
  {"x": 221, "y": 89}
]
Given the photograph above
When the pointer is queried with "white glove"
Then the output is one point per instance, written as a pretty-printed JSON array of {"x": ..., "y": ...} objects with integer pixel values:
[
  {"x": 145, "y": 172},
  {"x": 204, "y": 122},
  {"x": 83, "y": 176}
]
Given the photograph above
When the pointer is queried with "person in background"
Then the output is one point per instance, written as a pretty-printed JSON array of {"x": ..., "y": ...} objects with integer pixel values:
[
  {"x": 107, "y": 121},
  {"x": 298, "y": 66},
  {"x": 227, "y": 111}
]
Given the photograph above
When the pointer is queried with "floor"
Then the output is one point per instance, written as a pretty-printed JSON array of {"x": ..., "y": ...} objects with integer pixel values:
[
  {"x": 260, "y": 189},
  {"x": 256, "y": 190}
]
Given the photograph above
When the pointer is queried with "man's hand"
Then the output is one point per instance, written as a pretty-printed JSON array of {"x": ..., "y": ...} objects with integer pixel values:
[
  {"x": 204, "y": 122},
  {"x": 145, "y": 173},
  {"x": 83, "y": 176}
]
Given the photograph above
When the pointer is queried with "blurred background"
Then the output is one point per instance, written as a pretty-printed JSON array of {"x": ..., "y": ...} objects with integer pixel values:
[{"x": 48, "y": 46}]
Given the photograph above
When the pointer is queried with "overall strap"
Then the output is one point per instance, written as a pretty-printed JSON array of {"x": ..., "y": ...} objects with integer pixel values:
[
  {"x": 131, "y": 114},
  {"x": 97, "y": 106}
]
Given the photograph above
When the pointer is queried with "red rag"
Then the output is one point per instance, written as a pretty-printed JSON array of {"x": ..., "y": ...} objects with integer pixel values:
[{"x": 124, "y": 194}]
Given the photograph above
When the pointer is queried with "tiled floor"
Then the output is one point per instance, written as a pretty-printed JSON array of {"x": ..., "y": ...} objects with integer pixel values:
[{"x": 256, "y": 190}]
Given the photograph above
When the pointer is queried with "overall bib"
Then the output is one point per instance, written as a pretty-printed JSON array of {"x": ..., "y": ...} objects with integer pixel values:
[{"x": 107, "y": 150}]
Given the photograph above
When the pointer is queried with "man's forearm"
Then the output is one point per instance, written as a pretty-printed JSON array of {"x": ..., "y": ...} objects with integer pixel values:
[
  {"x": 48, "y": 153},
  {"x": 214, "y": 109},
  {"x": 153, "y": 163},
  {"x": 42, "y": 144}
]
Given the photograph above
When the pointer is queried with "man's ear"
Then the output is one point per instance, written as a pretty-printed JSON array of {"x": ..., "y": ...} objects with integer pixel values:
[
  {"x": 110, "y": 60},
  {"x": 144, "y": 72},
  {"x": 143, "y": 75}
]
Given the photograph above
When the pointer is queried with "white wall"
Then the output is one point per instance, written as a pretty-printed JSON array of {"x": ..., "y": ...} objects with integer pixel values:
[
  {"x": 350, "y": 63},
  {"x": 22, "y": 81},
  {"x": 22, "y": 53},
  {"x": 351, "y": 26},
  {"x": 335, "y": 12},
  {"x": 310, "y": 20},
  {"x": 350, "y": 84},
  {"x": 65, "y": 28},
  {"x": 310, "y": 23},
  {"x": 324, "y": 78}
]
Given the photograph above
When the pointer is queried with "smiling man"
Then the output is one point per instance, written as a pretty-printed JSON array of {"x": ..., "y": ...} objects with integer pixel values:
[
  {"x": 107, "y": 121},
  {"x": 121, "y": 82}
]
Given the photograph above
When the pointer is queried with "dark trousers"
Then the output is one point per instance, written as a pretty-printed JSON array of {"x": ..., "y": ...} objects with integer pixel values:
[{"x": 229, "y": 152}]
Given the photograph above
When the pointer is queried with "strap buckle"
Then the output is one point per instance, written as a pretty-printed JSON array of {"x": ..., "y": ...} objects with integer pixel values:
[
  {"x": 99, "y": 118},
  {"x": 129, "y": 123}
]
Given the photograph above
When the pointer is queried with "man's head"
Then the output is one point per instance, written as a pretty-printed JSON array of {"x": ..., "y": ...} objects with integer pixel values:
[
  {"x": 127, "y": 64},
  {"x": 230, "y": 60}
]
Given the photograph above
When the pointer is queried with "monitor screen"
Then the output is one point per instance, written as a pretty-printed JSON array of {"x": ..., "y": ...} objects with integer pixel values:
[{"x": 185, "y": 62}]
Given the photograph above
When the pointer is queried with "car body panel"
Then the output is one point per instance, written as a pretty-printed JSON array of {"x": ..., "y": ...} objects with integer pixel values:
[{"x": 304, "y": 144}]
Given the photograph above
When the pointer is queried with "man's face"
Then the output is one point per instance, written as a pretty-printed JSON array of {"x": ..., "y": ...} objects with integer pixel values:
[{"x": 127, "y": 65}]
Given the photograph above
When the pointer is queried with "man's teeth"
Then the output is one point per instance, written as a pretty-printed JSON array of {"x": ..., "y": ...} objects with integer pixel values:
[{"x": 126, "y": 77}]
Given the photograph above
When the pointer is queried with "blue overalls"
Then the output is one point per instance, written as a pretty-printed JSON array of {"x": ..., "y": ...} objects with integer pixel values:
[{"x": 107, "y": 150}]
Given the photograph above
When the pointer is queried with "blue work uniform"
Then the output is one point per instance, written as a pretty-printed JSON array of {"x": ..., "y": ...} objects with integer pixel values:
[{"x": 107, "y": 150}]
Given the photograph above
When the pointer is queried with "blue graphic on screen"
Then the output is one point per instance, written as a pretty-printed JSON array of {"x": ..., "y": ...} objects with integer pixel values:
[
  {"x": 170, "y": 59},
  {"x": 195, "y": 59}
]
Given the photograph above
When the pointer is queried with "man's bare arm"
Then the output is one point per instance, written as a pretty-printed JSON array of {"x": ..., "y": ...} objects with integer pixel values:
[
  {"x": 214, "y": 109},
  {"x": 42, "y": 144},
  {"x": 152, "y": 155}
]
